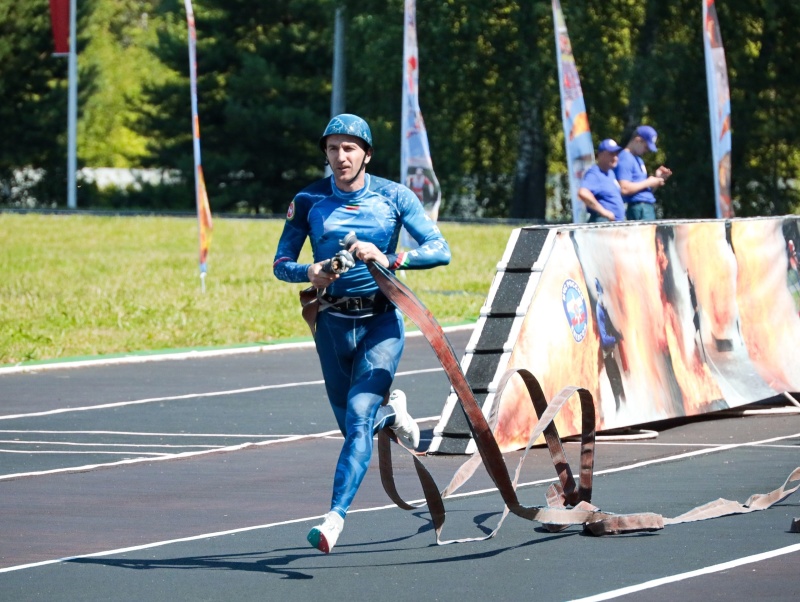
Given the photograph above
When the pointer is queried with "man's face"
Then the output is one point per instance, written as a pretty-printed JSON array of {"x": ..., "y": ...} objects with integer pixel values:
[
  {"x": 639, "y": 146},
  {"x": 607, "y": 160},
  {"x": 346, "y": 155}
]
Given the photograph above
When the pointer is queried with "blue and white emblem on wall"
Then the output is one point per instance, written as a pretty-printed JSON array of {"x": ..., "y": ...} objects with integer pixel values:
[{"x": 575, "y": 309}]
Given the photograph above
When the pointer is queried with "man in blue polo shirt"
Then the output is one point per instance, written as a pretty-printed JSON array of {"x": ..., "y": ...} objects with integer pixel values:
[
  {"x": 599, "y": 188},
  {"x": 636, "y": 186}
]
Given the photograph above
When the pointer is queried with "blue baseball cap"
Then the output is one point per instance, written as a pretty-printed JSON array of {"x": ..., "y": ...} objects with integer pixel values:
[
  {"x": 649, "y": 135},
  {"x": 609, "y": 145}
]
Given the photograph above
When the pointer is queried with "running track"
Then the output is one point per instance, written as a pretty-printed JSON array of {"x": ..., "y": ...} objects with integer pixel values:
[{"x": 198, "y": 479}]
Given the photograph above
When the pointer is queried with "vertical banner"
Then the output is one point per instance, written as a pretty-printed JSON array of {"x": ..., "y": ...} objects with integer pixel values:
[
  {"x": 577, "y": 136},
  {"x": 205, "y": 224},
  {"x": 416, "y": 166},
  {"x": 59, "y": 19},
  {"x": 719, "y": 109}
]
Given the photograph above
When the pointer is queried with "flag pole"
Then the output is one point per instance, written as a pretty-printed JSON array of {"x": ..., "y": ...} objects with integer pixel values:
[
  {"x": 72, "y": 108},
  {"x": 204, "y": 224},
  {"x": 578, "y": 147},
  {"x": 416, "y": 164}
]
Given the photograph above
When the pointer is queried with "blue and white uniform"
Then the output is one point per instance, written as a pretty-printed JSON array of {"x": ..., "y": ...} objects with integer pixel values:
[{"x": 359, "y": 353}]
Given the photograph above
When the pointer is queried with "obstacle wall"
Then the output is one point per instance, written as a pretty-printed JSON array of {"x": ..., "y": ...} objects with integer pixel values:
[{"x": 657, "y": 320}]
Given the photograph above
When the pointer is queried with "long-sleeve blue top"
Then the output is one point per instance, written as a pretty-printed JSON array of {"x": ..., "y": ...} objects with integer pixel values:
[{"x": 325, "y": 215}]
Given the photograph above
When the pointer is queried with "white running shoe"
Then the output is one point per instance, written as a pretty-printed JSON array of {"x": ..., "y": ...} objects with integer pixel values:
[
  {"x": 404, "y": 425},
  {"x": 324, "y": 536}
]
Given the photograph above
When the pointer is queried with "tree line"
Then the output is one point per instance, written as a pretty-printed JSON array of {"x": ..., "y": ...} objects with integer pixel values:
[{"x": 488, "y": 92}]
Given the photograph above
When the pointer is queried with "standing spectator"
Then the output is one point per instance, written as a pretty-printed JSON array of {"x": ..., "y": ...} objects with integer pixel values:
[
  {"x": 599, "y": 187},
  {"x": 636, "y": 186}
]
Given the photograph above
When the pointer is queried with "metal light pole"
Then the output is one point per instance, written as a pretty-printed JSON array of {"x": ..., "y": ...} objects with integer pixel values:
[
  {"x": 337, "y": 93},
  {"x": 72, "y": 107},
  {"x": 338, "y": 81}
]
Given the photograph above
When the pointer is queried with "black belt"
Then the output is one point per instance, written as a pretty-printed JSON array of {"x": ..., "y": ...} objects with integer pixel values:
[{"x": 357, "y": 306}]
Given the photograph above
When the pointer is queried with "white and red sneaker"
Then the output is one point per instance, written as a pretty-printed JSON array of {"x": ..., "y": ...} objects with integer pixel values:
[{"x": 324, "y": 536}]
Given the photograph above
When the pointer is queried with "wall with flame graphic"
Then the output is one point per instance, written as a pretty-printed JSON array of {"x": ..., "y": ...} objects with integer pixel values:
[{"x": 659, "y": 320}]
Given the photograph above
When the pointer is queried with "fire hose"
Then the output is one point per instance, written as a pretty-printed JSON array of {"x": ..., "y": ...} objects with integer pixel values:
[{"x": 568, "y": 503}]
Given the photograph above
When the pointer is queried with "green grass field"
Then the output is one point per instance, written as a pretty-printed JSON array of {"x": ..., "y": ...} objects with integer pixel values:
[{"x": 76, "y": 286}]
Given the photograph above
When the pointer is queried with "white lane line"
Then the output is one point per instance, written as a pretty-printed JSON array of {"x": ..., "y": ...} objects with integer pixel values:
[
  {"x": 184, "y": 355},
  {"x": 160, "y": 357},
  {"x": 337, "y": 434},
  {"x": 699, "y": 452},
  {"x": 716, "y": 568},
  {"x": 261, "y": 436},
  {"x": 655, "y": 444},
  {"x": 157, "y": 544},
  {"x": 649, "y": 444},
  {"x": 214, "y": 450},
  {"x": 182, "y": 455},
  {"x": 119, "y": 404},
  {"x": 93, "y": 453},
  {"x": 76, "y": 444},
  {"x": 135, "y": 434}
]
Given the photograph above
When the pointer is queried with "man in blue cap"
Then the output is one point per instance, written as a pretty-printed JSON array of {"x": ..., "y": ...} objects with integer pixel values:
[
  {"x": 636, "y": 186},
  {"x": 599, "y": 187}
]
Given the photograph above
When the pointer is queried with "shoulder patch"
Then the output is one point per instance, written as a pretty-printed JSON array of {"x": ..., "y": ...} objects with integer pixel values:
[{"x": 290, "y": 211}]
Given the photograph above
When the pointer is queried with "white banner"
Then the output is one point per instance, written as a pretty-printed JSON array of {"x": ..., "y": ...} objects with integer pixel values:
[
  {"x": 577, "y": 135},
  {"x": 416, "y": 166},
  {"x": 204, "y": 221},
  {"x": 719, "y": 109}
]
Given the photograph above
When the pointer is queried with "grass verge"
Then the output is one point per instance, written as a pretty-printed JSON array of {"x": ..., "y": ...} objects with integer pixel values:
[{"x": 76, "y": 286}]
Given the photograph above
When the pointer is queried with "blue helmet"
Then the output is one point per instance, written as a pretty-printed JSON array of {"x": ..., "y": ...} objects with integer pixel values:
[{"x": 349, "y": 125}]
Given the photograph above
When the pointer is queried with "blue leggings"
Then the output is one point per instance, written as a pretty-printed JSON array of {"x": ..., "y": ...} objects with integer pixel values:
[{"x": 359, "y": 357}]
